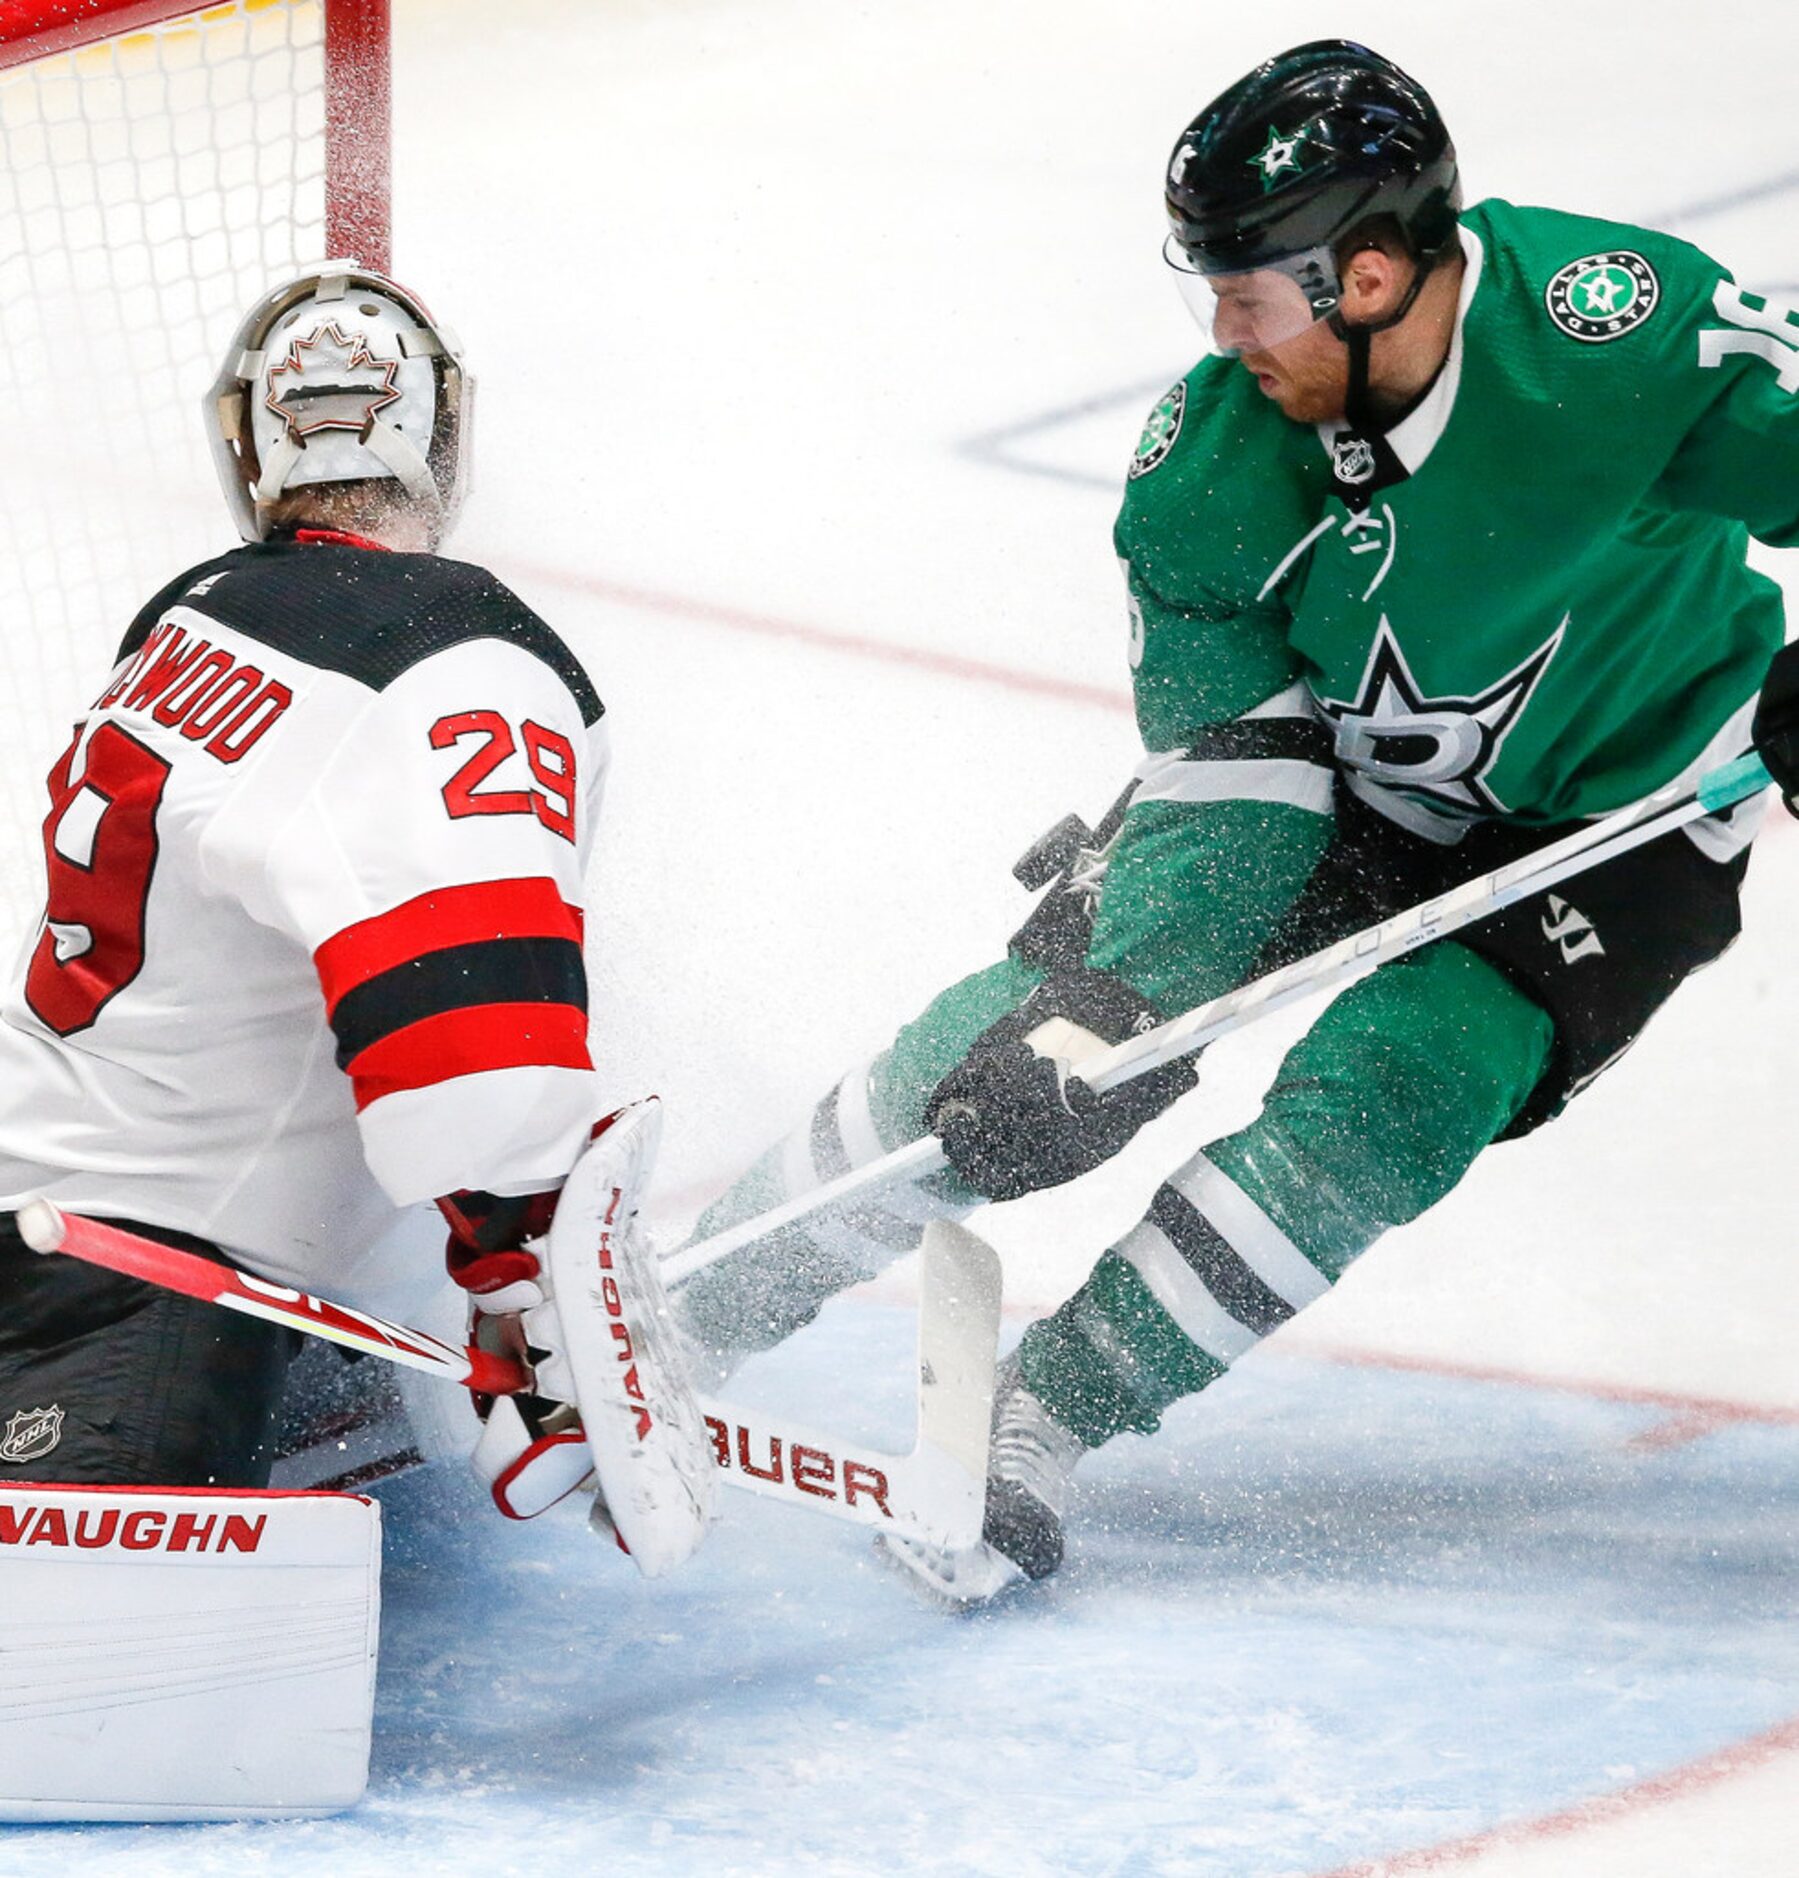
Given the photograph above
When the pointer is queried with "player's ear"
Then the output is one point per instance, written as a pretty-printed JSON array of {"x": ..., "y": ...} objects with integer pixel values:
[{"x": 1374, "y": 282}]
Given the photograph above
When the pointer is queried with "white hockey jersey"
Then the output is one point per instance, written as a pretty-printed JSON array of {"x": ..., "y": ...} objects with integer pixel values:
[{"x": 312, "y": 944}]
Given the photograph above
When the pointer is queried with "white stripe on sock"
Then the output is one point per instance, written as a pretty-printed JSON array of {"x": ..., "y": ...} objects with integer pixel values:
[
  {"x": 856, "y": 1120},
  {"x": 1250, "y": 1233},
  {"x": 1175, "y": 1286}
]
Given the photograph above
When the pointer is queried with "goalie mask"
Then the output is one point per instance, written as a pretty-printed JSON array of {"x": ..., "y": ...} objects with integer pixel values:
[{"x": 340, "y": 376}]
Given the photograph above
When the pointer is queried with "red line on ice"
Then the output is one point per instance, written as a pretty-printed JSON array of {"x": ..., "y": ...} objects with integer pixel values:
[
  {"x": 825, "y": 639},
  {"x": 1709, "y": 1770},
  {"x": 1690, "y": 1415}
]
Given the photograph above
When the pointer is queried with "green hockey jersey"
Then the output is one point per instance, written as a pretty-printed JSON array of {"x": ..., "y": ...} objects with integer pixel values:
[{"x": 1550, "y": 615}]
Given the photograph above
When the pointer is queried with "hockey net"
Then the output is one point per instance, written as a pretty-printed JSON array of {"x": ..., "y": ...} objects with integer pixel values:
[{"x": 159, "y": 167}]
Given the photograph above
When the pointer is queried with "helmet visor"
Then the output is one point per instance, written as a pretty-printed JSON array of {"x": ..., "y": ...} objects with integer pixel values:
[{"x": 1253, "y": 309}]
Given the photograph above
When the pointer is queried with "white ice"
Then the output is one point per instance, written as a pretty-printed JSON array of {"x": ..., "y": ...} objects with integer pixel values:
[{"x": 813, "y": 337}]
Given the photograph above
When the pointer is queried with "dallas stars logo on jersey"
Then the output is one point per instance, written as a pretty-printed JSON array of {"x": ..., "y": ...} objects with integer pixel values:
[
  {"x": 1159, "y": 434},
  {"x": 1603, "y": 296},
  {"x": 1438, "y": 750}
]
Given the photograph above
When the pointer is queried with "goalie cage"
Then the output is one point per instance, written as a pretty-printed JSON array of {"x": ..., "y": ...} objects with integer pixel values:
[{"x": 160, "y": 166}]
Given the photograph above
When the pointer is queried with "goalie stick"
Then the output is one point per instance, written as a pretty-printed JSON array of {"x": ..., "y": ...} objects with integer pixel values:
[
  {"x": 1336, "y": 965},
  {"x": 46, "y": 1228},
  {"x": 940, "y": 1487},
  {"x": 934, "y": 1493}
]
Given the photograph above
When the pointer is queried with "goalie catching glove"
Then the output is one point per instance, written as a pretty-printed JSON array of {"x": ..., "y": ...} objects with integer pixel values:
[
  {"x": 567, "y": 1283},
  {"x": 1012, "y": 1116}
]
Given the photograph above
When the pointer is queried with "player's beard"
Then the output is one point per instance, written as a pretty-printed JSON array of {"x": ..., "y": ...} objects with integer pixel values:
[{"x": 1307, "y": 377}]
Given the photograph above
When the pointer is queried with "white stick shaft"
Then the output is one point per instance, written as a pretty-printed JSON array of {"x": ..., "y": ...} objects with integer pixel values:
[
  {"x": 1356, "y": 956},
  {"x": 1334, "y": 966},
  {"x": 917, "y": 1159}
]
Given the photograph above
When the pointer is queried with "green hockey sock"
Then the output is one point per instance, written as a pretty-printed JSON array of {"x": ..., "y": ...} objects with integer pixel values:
[{"x": 1374, "y": 1116}]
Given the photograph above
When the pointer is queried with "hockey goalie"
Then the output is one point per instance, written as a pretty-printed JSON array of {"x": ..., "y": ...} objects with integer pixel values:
[{"x": 310, "y": 955}]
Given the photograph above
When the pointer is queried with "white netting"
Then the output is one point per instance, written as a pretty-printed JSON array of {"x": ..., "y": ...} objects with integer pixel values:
[{"x": 151, "y": 186}]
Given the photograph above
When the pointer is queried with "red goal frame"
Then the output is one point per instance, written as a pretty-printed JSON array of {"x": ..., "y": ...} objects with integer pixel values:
[{"x": 358, "y": 97}]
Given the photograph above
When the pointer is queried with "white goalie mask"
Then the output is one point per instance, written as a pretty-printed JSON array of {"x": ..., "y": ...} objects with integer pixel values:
[{"x": 339, "y": 376}]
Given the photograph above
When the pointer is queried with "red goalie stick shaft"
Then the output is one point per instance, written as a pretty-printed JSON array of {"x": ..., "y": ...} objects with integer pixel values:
[
  {"x": 46, "y": 1228},
  {"x": 935, "y": 1493}
]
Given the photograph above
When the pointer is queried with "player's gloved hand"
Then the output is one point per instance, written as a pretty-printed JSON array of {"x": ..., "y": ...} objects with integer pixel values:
[
  {"x": 532, "y": 1452},
  {"x": 1775, "y": 730},
  {"x": 1012, "y": 1121},
  {"x": 1013, "y": 1116}
]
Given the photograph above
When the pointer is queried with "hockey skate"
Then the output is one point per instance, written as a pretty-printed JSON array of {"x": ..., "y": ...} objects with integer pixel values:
[{"x": 1030, "y": 1472}]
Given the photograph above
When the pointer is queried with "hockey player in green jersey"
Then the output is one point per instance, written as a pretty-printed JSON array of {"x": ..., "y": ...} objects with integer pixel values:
[{"x": 1440, "y": 550}]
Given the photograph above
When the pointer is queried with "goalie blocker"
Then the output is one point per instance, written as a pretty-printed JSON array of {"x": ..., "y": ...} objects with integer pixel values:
[
  {"x": 616, "y": 1358},
  {"x": 606, "y": 1400},
  {"x": 185, "y": 1654}
]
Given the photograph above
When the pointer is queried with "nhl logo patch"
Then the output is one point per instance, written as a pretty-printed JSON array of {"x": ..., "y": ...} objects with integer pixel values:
[
  {"x": 1603, "y": 296},
  {"x": 1160, "y": 432},
  {"x": 30, "y": 1434},
  {"x": 1353, "y": 459}
]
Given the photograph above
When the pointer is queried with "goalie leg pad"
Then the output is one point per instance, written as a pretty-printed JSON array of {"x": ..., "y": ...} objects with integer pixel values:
[{"x": 185, "y": 1654}]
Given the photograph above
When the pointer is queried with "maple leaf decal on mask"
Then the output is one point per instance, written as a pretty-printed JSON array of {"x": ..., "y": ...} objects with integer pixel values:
[{"x": 331, "y": 382}]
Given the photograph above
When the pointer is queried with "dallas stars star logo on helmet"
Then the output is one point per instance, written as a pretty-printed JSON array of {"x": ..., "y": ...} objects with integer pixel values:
[
  {"x": 333, "y": 383},
  {"x": 1278, "y": 155},
  {"x": 1603, "y": 296}
]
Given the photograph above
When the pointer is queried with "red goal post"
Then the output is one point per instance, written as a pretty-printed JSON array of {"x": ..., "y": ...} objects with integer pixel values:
[{"x": 161, "y": 164}]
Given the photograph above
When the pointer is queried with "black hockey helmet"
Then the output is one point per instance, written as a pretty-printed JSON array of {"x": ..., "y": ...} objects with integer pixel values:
[{"x": 1277, "y": 170}]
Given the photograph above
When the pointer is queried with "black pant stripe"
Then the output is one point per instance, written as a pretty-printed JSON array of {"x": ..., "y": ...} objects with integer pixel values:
[
  {"x": 830, "y": 1158},
  {"x": 1249, "y": 739},
  {"x": 1223, "y": 1273}
]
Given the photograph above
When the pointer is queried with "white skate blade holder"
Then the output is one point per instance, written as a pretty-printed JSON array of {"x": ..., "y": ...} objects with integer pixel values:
[
  {"x": 935, "y": 1494},
  {"x": 181, "y": 1653},
  {"x": 627, "y": 1376}
]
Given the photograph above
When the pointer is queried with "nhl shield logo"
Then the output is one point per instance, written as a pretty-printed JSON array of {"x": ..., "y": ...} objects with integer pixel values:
[
  {"x": 1354, "y": 459},
  {"x": 1603, "y": 296},
  {"x": 31, "y": 1434}
]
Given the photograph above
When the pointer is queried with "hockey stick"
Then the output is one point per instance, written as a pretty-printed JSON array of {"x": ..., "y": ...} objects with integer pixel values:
[
  {"x": 937, "y": 1491},
  {"x": 933, "y": 1493},
  {"x": 1336, "y": 965},
  {"x": 46, "y": 1228}
]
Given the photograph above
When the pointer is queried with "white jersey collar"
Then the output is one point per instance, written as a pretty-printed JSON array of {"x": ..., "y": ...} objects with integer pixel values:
[{"x": 1413, "y": 439}]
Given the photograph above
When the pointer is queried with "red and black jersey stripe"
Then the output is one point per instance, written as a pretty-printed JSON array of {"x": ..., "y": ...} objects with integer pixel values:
[{"x": 460, "y": 980}]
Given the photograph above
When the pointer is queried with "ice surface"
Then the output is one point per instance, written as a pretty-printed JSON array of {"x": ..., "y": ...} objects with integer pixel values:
[
  {"x": 813, "y": 339},
  {"x": 1335, "y": 1610}
]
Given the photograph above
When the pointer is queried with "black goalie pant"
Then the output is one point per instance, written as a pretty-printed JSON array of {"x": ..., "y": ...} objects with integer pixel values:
[{"x": 107, "y": 1381}]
